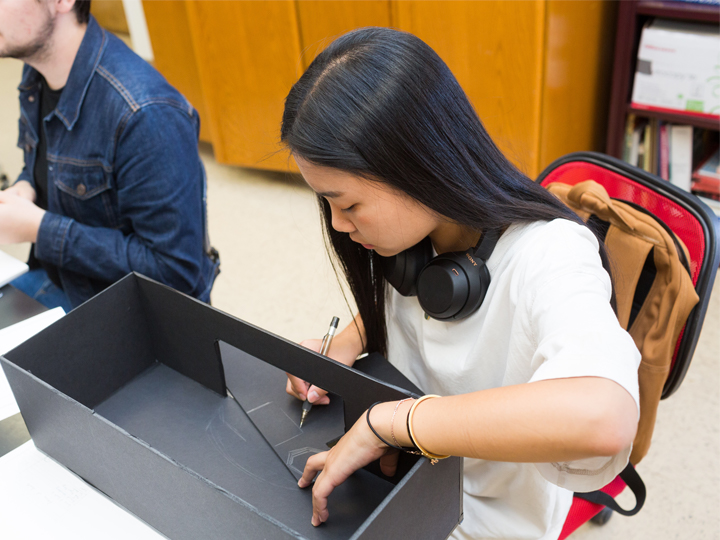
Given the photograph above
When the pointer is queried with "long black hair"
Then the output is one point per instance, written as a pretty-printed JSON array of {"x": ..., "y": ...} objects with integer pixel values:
[{"x": 381, "y": 104}]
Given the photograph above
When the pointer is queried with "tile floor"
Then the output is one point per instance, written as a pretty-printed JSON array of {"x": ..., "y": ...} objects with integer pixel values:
[{"x": 275, "y": 274}]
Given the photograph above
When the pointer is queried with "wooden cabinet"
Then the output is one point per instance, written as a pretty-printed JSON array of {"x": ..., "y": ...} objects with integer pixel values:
[
  {"x": 110, "y": 14},
  {"x": 248, "y": 56},
  {"x": 174, "y": 53},
  {"x": 536, "y": 71},
  {"x": 576, "y": 78},
  {"x": 321, "y": 21},
  {"x": 495, "y": 50}
]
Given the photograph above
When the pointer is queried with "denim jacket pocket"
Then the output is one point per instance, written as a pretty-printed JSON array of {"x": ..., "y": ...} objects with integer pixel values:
[{"x": 84, "y": 191}]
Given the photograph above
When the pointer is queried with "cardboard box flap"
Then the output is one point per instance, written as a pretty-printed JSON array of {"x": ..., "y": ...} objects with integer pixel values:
[
  {"x": 87, "y": 368},
  {"x": 185, "y": 328},
  {"x": 276, "y": 414}
]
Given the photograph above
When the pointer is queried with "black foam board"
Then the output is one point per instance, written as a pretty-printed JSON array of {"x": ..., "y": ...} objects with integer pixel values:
[
  {"x": 129, "y": 392},
  {"x": 275, "y": 414},
  {"x": 16, "y": 306}
]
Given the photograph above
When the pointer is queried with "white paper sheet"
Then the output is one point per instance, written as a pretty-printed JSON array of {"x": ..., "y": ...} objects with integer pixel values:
[
  {"x": 10, "y": 268},
  {"x": 11, "y": 337},
  {"x": 41, "y": 499}
]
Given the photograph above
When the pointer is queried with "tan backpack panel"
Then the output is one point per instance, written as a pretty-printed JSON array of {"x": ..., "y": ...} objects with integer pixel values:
[{"x": 630, "y": 238}]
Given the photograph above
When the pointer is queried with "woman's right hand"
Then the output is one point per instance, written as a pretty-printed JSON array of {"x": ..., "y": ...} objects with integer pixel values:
[
  {"x": 301, "y": 389},
  {"x": 345, "y": 348}
]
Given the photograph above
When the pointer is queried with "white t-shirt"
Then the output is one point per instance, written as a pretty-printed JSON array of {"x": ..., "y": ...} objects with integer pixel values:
[{"x": 546, "y": 315}]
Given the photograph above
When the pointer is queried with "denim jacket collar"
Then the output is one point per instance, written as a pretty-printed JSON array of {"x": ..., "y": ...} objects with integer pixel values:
[{"x": 81, "y": 73}]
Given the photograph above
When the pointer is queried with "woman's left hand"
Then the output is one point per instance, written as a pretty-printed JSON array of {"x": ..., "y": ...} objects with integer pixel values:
[{"x": 354, "y": 450}]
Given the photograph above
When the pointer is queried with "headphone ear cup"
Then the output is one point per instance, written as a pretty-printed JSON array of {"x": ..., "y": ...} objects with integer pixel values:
[
  {"x": 403, "y": 269},
  {"x": 452, "y": 286}
]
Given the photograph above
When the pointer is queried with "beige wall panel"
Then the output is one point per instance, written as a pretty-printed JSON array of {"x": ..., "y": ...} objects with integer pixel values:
[
  {"x": 495, "y": 49},
  {"x": 322, "y": 21},
  {"x": 110, "y": 14},
  {"x": 167, "y": 22},
  {"x": 580, "y": 41},
  {"x": 249, "y": 57}
]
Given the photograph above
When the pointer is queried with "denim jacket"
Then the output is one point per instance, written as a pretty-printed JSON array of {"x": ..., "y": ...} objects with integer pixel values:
[{"x": 126, "y": 187}]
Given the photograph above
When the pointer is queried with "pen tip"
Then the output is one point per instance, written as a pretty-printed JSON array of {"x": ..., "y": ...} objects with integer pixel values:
[{"x": 335, "y": 321}]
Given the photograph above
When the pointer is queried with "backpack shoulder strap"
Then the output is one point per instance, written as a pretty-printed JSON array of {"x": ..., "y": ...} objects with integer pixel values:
[{"x": 633, "y": 481}]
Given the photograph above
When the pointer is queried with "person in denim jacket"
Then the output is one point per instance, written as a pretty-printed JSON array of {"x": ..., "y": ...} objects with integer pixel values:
[{"x": 124, "y": 187}]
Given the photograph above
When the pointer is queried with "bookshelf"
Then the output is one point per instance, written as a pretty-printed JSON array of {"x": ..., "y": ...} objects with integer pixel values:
[
  {"x": 676, "y": 118},
  {"x": 678, "y": 10},
  {"x": 632, "y": 16}
]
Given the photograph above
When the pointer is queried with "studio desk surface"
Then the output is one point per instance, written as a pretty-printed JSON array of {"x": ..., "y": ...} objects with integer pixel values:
[{"x": 40, "y": 498}]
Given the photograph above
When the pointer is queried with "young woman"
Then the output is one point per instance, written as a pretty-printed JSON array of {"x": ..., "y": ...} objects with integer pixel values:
[{"x": 539, "y": 383}]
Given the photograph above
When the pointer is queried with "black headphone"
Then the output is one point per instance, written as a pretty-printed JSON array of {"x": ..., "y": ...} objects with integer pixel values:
[{"x": 450, "y": 286}]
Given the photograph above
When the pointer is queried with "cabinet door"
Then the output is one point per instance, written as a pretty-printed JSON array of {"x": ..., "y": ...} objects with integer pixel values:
[
  {"x": 495, "y": 49},
  {"x": 580, "y": 38},
  {"x": 169, "y": 30},
  {"x": 322, "y": 21},
  {"x": 110, "y": 14},
  {"x": 248, "y": 57}
]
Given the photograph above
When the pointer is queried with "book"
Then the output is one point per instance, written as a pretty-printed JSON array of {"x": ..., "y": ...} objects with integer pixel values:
[
  {"x": 706, "y": 177},
  {"x": 664, "y": 152},
  {"x": 629, "y": 131},
  {"x": 712, "y": 203},
  {"x": 676, "y": 68},
  {"x": 647, "y": 148},
  {"x": 634, "y": 158},
  {"x": 654, "y": 146},
  {"x": 681, "y": 152}
]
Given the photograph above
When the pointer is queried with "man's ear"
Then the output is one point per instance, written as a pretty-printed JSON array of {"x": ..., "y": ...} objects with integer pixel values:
[{"x": 63, "y": 6}]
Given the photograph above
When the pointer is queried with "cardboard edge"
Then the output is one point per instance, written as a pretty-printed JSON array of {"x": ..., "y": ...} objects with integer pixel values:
[
  {"x": 213, "y": 374},
  {"x": 6, "y": 361},
  {"x": 400, "y": 485},
  {"x": 141, "y": 277},
  {"x": 349, "y": 405},
  {"x": 422, "y": 467},
  {"x": 197, "y": 476}
]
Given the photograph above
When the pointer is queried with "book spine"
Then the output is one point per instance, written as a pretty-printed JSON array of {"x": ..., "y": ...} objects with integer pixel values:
[
  {"x": 664, "y": 152},
  {"x": 629, "y": 129},
  {"x": 681, "y": 146},
  {"x": 647, "y": 148}
]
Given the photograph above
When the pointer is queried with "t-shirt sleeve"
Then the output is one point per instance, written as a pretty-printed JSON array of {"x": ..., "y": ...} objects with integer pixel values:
[{"x": 577, "y": 334}]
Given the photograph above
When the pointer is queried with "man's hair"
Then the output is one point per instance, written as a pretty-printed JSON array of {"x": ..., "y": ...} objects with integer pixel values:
[{"x": 82, "y": 11}]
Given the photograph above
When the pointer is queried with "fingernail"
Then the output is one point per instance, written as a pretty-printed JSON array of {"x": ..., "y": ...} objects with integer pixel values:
[{"x": 313, "y": 396}]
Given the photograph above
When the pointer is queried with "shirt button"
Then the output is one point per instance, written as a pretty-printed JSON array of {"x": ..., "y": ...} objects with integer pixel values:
[
  {"x": 31, "y": 99},
  {"x": 81, "y": 189}
]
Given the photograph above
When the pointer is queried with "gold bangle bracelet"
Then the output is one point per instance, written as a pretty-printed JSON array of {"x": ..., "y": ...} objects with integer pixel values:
[{"x": 434, "y": 458}]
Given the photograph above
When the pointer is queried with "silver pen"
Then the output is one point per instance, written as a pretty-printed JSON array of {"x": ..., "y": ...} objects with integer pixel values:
[{"x": 324, "y": 347}]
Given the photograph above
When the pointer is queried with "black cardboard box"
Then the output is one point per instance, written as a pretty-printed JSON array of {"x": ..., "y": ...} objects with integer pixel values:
[{"x": 130, "y": 392}]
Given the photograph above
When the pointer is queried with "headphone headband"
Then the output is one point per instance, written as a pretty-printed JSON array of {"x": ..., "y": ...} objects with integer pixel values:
[{"x": 486, "y": 244}]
